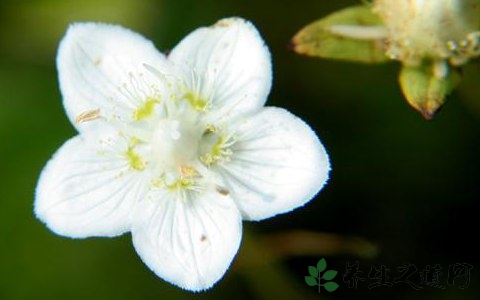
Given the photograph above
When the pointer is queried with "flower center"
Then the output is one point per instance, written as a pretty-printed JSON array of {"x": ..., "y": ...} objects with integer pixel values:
[
  {"x": 175, "y": 143},
  {"x": 182, "y": 145}
]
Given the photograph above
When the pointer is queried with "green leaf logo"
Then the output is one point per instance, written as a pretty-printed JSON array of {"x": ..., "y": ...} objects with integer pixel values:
[{"x": 317, "y": 279}]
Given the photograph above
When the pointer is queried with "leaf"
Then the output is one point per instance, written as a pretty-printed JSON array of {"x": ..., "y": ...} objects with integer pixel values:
[
  {"x": 329, "y": 275},
  {"x": 330, "y": 286},
  {"x": 321, "y": 265},
  {"x": 311, "y": 281},
  {"x": 313, "y": 271},
  {"x": 425, "y": 91},
  {"x": 354, "y": 34}
]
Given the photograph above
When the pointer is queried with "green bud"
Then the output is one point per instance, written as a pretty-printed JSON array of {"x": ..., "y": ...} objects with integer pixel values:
[
  {"x": 352, "y": 34},
  {"x": 425, "y": 91},
  {"x": 432, "y": 29}
]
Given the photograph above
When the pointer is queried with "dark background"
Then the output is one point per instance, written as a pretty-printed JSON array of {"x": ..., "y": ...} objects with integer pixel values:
[{"x": 409, "y": 187}]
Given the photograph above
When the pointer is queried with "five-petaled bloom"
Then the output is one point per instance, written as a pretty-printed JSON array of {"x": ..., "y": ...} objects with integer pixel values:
[{"x": 175, "y": 150}]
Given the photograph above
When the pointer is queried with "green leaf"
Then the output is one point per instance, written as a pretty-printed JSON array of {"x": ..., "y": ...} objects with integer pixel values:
[
  {"x": 425, "y": 91},
  {"x": 313, "y": 271},
  {"x": 329, "y": 275},
  {"x": 311, "y": 281},
  {"x": 330, "y": 286},
  {"x": 321, "y": 265},
  {"x": 351, "y": 34}
]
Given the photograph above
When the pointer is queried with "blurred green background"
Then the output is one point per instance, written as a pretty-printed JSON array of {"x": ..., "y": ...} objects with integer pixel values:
[{"x": 408, "y": 186}]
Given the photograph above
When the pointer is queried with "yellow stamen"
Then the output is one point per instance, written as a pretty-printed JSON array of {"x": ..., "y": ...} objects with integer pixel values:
[
  {"x": 134, "y": 160},
  {"x": 145, "y": 110},
  {"x": 195, "y": 101}
]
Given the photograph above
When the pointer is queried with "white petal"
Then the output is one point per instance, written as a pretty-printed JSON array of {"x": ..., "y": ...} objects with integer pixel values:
[
  {"x": 104, "y": 67},
  {"x": 189, "y": 242},
  {"x": 87, "y": 189},
  {"x": 277, "y": 164},
  {"x": 230, "y": 65}
]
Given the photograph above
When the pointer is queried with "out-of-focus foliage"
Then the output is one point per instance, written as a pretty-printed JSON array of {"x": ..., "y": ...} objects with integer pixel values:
[
  {"x": 31, "y": 29},
  {"x": 407, "y": 186}
]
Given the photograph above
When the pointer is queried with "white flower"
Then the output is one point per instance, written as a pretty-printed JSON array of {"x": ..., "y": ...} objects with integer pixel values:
[
  {"x": 175, "y": 150},
  {"x": 440, "y": 30}
]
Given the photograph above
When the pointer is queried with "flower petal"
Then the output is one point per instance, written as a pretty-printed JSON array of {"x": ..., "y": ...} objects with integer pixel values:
[
  {"x": 104, "y": 68},
  {"x": 189, "y": 242},
  {"x": 87, "y": 188},
  {"x": 277, "y": 164},
  {"x": 230, "y": 65}
]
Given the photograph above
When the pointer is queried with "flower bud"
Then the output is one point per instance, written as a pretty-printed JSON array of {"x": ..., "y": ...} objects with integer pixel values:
[{"x": 432, "y": 29}]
